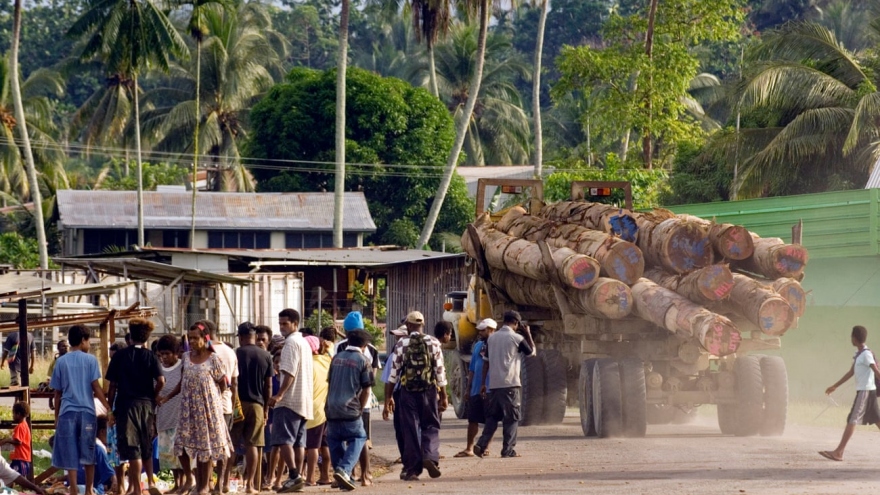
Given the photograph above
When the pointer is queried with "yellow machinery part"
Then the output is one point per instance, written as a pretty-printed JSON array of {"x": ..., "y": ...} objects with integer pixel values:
[{"x": 467, "y": 331}]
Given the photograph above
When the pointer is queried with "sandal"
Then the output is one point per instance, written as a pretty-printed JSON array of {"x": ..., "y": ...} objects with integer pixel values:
[
  {"x": 464, "y": 453},
  {"x": 828, "y": 455}
]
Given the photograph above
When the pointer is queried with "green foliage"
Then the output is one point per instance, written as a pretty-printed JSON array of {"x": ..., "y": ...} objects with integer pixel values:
[
  {"x": 388, "y": 122},
  {"x": 698, "y": 180},
  {"x": 648, "y": 186},
  {"x": 318, "y": 320},
  {"x": 154, "y": 174},
  {"x": 20, "y": 252},
  {"x": 375, "y": 332}
]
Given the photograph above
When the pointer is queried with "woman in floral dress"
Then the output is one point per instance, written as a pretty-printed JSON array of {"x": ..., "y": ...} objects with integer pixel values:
[{"x": 201, "y": 432}]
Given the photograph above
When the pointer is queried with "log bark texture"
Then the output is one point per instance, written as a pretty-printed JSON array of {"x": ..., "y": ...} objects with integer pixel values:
[
  {"x": 677, "y": 314},
  {"x": 791, "y": 290},
  {"x": 607, "y": 298},
  {"x": 761, "y": 305},
  {"x": 773, "y": 259},
  {"x": 617, "y": 258},
  {"x": 703, "y": 286},
  {"x": 731, "y": 242},
  {"x": 676, "y": 245},
  {"x": 595, "y": 216},
  {"x": 522, "y": 257}
]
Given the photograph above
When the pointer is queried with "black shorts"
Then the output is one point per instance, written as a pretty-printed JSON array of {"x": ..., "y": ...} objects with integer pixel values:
[
  {"x": 476, "y": 411},
  {"x": 135, "y": 430},
  {"x": 316, "y": 437}
]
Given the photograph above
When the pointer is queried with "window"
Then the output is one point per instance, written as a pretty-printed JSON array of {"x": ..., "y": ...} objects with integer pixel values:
[
  {"x": 316, "y": 240},
  {"x": 233, "y": 239},
  {"x": 96, "y": 241},
  {"x": 175, "y": 238}
]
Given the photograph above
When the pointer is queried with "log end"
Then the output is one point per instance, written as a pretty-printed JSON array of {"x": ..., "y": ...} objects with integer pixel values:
[
  {"x": 624, "y": 262},
  {"x": 791, "y": 291},
  {"x": 775, "y": 316},
  {"x": 611, "y": 298},
  {"x": 719, "y": 336},
  {"x": 715, "y": 282},
  {"x": 682, "y": 246},
  {"x": 623, "y": 225},
  {"x": 790, "y": 260},
  {"x": 579, "y": 271},
  {"x": 509, "y": 217},
  {"x": 733, "y": 242}
]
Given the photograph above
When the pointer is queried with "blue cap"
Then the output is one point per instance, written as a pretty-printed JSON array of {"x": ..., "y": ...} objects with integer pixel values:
[{"x": 354, "y": 321}]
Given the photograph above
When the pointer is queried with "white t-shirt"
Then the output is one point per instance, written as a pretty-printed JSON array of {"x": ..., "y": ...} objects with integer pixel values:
[
  {"x": 7, "y": 474},
  {"x": 862, "y": 369},
  {"x": 296, "y": 360},
  {"x": 229, "y": 362}
]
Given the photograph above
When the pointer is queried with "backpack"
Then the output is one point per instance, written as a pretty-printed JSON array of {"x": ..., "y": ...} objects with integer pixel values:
[{"x": 418, "y": 365}]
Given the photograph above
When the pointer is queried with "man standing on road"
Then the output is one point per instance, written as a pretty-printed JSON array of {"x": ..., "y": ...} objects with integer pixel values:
[
  {"x": 505, "y": 349},
  {"x": 418, "y": 365},
  {"x": 476, "y": 407},
  {"x": 254, "y": 387},
  {"x": 294, "y": 401},
  {"x": 864, "y": 410},
  {"x": 12, "y": 354}
]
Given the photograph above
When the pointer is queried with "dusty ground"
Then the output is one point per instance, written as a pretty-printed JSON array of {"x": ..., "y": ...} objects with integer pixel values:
[{"x": 693, "y": 458}]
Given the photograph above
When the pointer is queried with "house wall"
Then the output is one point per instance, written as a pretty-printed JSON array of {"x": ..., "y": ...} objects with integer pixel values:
[{"x": 422, "y": 286}]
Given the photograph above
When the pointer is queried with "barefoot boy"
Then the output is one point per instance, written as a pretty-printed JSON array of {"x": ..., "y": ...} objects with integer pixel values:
[
  {"x": 864, "y": 410},
  {"x": 21, "y": 440}
]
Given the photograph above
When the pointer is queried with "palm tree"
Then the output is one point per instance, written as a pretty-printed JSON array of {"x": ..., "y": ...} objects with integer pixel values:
[
  {"x": 25, "y": 138},
  {"x": 339, "y": 182},
  {"x": 811, "y": 115},
  {"x": 129, "y": 36},
  {"x": 461, "y": 125},
  {"x": 498, "y": 130},
  {"x": 536, "y": 93},
  {"x": 430, "y": 22},
  {"x": 242, "y": 58},
  {"x": 106, "y": 114}
]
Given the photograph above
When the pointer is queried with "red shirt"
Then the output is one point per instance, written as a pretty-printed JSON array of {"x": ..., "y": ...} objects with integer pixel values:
[{"x": 22, "y": 451}]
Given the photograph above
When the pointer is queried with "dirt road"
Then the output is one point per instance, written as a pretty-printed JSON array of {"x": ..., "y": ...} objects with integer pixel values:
[{"x": 684, "y": 459}]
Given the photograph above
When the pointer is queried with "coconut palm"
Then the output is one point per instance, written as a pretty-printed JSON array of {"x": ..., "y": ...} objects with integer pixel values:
[
  {"x": 811, "y": 115},
  {"x": 536, "y": 92},
  {"x": 104, "y": 117},
  {"x": 339, "y": 180},
  {"x": 241, "y": 59},
  {"x": 129, "y": 36},
  {"x": 498, "y": 130},
  {"x": 431, "y": 22}
]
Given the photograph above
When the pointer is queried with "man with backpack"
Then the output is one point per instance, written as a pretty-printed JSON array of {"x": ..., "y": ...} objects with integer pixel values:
[{"x": 417, "y": 363}]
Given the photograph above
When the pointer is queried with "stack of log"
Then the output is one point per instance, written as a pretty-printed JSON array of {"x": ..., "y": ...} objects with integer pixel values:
[{"x": 688, "y": 276}]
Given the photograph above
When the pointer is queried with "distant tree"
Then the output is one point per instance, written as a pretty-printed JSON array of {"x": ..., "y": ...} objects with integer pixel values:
[
  {"x": 18, "y": 251},
  {"x": 397, "y": 138}
]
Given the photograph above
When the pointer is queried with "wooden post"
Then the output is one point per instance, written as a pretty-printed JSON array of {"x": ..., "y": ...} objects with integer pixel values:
[
  {"x": 797, "y": 232},
  {"x": 105, "y": 329},
  {"x": 24, "y": 354}
]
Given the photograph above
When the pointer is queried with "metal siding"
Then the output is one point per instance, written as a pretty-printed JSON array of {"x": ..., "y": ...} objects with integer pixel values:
[
  {"x": 423, "y": 287},
  {"x": 836, "y": 224}
]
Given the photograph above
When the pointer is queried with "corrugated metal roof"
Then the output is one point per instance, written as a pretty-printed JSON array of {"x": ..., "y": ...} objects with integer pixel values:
[
  {"x": 367, "y": 256},
  {"x": 214, "y": 211},
  {"x": 15, "y": 285},
  {"x": 151, "y": 271},
  {"x": 836, "y": 224},
  {"x": 874, "y": 178}
]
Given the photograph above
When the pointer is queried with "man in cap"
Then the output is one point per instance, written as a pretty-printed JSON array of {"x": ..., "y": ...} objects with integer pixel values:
[
  {"x": 418, "y": 366},
  {"x": 476, "y": 409},
  {"x": 504, "y": 351}
]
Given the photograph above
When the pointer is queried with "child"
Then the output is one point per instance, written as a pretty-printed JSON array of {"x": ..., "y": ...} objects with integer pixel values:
[
  {"x": 864, "y": 410},
  {"x": 443, "y": 331},
  {"x": 21, "y": 440},
  {"x": 105, "y": 478},
  {"x": 75, "y": 381},
  {"x": 167, "y": 414},
  {"x": 62, "y": 348}
]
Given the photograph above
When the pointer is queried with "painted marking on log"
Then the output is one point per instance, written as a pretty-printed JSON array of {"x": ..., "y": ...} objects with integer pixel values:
[
  {"x": 723, "y": 290},
  {"x": 735, "y": 340},
  {"x": 767, "y": 322},
  {"x": 585, "y": 273},
  {"x": 795, "y": 299},
  {"x": 619, "y": 269},
  {"x": 713, "y": 344},
  {"x": 632, "y": 254}
]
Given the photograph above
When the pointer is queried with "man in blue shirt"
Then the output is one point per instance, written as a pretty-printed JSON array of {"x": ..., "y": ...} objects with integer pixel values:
[
  {"x": 476, "y": 410},
  {"x": 75, "y": 381}
]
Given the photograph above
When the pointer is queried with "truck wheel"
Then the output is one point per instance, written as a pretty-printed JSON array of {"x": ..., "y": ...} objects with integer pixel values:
[
  {"x": 632, "y": 394},
  {"x": 532, "y": 377},
  {"x": 555, "y": 386},
  {"x": 775, "y": 380},
  {"x": 607, "y": 406},
  {"x": 727, "y": 418},
  {"x": 585, "y": 397},
  {"x": 749, "y": 396},
  {"x": 456, "y": 371}
]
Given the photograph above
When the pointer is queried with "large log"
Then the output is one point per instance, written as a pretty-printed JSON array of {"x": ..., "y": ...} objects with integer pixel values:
[
  {"x": 522, "y": 257},
  {"x": 731, "y": 242},
  {"x": 617, "y": 258},
  {"x": 607, "y": 298},
  {"x": 675, "y": 244},
  {"x": 595, "y": 216},
  {"x": 761, "y": 305},
  {"x": 703, "y": 286},
  {"x": 791, "y": 290},
  {"x": 773, "y": 259},
  {"x": 677, "y": 314}
]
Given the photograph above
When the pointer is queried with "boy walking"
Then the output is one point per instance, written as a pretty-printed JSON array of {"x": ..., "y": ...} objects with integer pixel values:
[
  {"x": 351, "y": 379},
  {"x": 864, "y": 410},
  {"x": 136, "y": 379},
  {"x": 75, "y": 381}
]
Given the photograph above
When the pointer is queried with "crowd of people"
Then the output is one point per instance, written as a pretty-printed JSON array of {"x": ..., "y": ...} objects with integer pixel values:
[{"x": 294, "y": 406}]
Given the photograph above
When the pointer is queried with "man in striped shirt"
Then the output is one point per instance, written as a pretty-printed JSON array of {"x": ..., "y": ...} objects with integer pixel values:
[{"x": 421, "y": 400}]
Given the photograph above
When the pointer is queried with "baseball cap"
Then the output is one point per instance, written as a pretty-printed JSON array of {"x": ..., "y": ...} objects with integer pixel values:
[
  {"x": 247, "y": 328},
  {"x": 488, "y": 322},
  {"x": 415, "y": 317},
  {"x": 400, "y": 331}
]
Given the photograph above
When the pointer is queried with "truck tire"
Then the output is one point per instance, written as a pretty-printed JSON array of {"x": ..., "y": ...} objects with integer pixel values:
[
  {"x": 607, "y": 406},
  {"x": 585, "y": 397},
  {"x": 555, "y": 387},
  {"x": 749, "y": 396},
  {"x": 456, "y": 371},
  {"x": 775, "y": 380},
  {"x": 532, "y": 377},
  {"x": 632, "y": 394}
]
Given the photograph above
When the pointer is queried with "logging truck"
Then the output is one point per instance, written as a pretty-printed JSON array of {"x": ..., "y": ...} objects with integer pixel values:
[{"x": 639, "y": 318}]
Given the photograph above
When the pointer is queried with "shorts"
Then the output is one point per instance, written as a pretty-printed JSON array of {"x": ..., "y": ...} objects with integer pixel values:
[
  {"x": 74, "y": 440},
  {"x": 113, "y": 449},
  {"x": 249, "y": 431},
  {"x": 366, "y": 420},
  {"x": 317, "y": 437},
  {"x": 864, "y": 410},
  {"x": 24, "y": 468},
  {"x": 135, "y": 430},
  {"x": 166, "y": 449},
  {"x": 288, "y": 428},
  {"x": 476, "y": 410}
]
